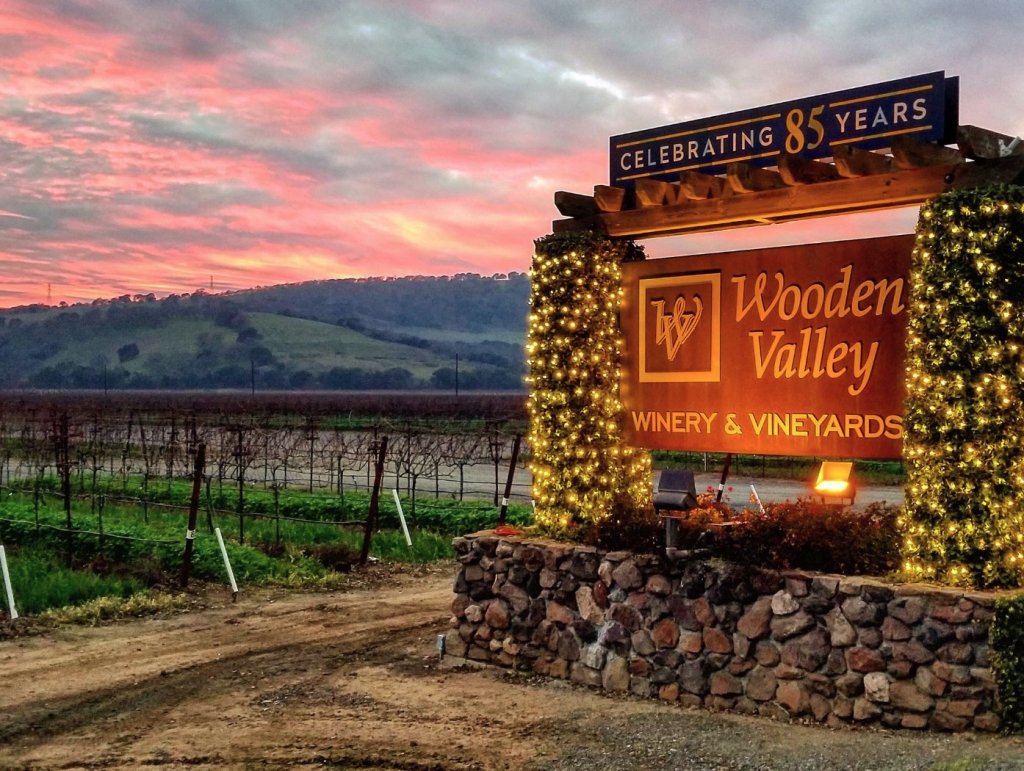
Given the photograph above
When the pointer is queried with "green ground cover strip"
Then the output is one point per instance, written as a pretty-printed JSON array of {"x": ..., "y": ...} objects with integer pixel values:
[
  {"x": 1007, "y": 639},
  {"x": 128, "y": 534},
  {"x": 293, "y": 538},
  {"x": 40, "y": 582},
  {"x": 440, "y": 515}
]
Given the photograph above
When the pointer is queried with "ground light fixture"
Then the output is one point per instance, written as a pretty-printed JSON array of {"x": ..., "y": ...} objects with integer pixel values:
[
  {"x": 674, "y": 493},
  {"x": 834, "y": 481}
]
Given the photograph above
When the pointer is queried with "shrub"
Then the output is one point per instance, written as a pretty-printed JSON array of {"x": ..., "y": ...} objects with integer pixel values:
[
  {"x": 1007, "y": 639},
  {"x": 337, "y": 557},
  {"x": 627, "y": 527},
  {"x": 127, "y": 352},
  {"x": 963, "y": 455},
  {"x": 801, "y": 534},
  {"x": 790, "y": 535}
]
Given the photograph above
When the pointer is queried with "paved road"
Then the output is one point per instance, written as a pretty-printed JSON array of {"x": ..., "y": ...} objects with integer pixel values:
[
  {"x": 478, "y": 482},
  {"x": 774, "y": 490}
]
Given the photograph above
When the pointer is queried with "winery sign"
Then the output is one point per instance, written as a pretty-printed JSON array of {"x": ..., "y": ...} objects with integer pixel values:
[
  {"x": 923, "y": 106},
  {"x": 796, "y": 350}
]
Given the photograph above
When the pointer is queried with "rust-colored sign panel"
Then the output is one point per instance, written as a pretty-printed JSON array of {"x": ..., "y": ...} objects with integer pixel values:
[{"x": 789, "y": 351}]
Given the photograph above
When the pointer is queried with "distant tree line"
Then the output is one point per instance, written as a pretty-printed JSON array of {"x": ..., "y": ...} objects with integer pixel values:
[
  {"x": 66, "y": 375},
  {"x": 465, "y": 302},
  {"x": 46, "y": 347}
]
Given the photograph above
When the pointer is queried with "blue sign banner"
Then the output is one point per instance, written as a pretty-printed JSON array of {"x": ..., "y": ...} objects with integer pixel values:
[{"x": 924, "y": 106}]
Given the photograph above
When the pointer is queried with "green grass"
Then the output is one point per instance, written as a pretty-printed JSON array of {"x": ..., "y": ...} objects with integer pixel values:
[
  {"x": 40, "y": 582},
  {"x": 316, "y": 346},
  {"x": 515, "y": 337},
  {"x": 174, "y": 341},
  {"x": 276, "y": 550},
  {"x": 445, "y": 516},
  {"x": 298, "y": 343},
  {"x": 250, "y": 564}
]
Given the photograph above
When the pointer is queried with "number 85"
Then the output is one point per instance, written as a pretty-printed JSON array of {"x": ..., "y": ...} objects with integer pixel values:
[{"x": 796, "y": 141}]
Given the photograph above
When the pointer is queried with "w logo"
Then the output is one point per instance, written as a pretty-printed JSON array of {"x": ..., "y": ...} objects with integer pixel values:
[
  {"x": 679, "y": 328},
  {"x": 673, "y": 329}
]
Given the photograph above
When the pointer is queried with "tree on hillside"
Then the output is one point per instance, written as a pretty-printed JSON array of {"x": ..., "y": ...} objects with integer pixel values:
[
  {"x": 249, "y": 335},
  {"x": 261, "y": 356},
  {"x": 127, "y": 352}
]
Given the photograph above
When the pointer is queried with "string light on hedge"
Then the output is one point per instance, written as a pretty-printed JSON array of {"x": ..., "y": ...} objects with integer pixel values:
[
  {"x": 580, "y": 464},
  {"x": 965, "y": 385}
]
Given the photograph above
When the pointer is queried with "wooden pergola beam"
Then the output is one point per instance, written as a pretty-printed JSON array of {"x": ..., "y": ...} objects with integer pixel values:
[
  {"x": 912, "y": 153},
  {"x": 981, "y": 143},
  {"x": 842, "y": 196},
  {"x": 852, "y": 161},
  {"x": 697, "y": 186},
  {"x": 575, "y": 204},
  {"x": 652, "y": 192},
  {"x": 795, "y": 170},
  {"x": 609, "y": 198},
  {"x": 859, "y": 181},
  {"x": 744, "y": 178}
]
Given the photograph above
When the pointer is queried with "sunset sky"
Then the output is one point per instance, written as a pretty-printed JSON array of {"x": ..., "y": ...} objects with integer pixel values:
[{"x": 148, "y": 145}]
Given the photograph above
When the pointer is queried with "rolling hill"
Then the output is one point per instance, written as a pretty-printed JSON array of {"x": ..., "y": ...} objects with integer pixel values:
[{"x": 343, "y": 334}]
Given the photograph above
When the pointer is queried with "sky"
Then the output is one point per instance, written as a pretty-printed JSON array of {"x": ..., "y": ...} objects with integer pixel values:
[{"x": 170, "y": 145}]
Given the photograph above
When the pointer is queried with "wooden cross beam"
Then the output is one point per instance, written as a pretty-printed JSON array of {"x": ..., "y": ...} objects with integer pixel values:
[
  {"x": 698, "y": 187},
  {"x": 858, "y": 181},
  {"x": 853, "y": 162},
  {"x": 609, "y": 198},
  {"x": 899, "y": 188},
  {"x": 981, "y": 143}
]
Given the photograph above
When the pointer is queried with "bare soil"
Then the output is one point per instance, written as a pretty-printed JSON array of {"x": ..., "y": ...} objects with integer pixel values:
[{"x": 352, "y": 680}]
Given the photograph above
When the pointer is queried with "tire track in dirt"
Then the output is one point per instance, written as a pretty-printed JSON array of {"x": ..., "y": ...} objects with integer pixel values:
[
  {"x": 352, "y": 681},
  {"x": 156, "y": 694},
  {"x": 117, "y": 683},
  {"x": 171, "y": 642}
]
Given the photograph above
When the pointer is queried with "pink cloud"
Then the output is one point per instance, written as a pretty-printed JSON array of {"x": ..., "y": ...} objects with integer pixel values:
[{"x": 147, "y": 146}]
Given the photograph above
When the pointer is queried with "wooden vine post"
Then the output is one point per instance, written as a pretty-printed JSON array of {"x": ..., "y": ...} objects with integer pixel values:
[
  {"x": 371, "y": 516},
  {"x": 509, "y": 479},
  {"x": 64, "y": 470},
  {"x": 193, "y": 512}
]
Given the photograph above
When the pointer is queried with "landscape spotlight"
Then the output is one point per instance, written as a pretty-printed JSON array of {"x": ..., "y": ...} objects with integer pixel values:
[
  {"x": 834, "y": 480},
  {"x": 675, "y": 491}
]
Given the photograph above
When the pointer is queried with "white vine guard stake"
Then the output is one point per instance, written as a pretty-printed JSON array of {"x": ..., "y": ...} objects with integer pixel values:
[
  {"x": 227, "y": 564},
  {"x": 7, "y": 583},
  {"x": 401, "y": 518}
]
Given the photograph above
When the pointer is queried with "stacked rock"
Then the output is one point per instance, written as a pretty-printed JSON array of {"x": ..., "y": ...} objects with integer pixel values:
[{"x": 785, "y": 644}]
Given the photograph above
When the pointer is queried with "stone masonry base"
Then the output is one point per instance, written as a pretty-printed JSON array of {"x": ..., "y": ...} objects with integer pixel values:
[{"x": 784, "y": 644}]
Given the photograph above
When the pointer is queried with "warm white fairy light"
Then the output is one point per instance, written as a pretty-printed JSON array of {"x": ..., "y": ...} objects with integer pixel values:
[
  {"x": 580, "y": 464},
  {"x": 964, "y": 445}
]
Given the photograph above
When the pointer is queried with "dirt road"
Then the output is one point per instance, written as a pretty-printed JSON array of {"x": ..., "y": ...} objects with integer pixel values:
[{"x": 351, "y": 680}]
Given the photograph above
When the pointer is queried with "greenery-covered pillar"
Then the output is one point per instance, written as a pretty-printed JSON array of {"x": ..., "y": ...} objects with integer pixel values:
[
  {"x": 964, "y": 428},
  {"x": 581, "y": 466}
]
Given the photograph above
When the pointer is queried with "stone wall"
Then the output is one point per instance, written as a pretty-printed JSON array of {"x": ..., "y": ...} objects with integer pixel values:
[{"x": 784, "y": 644}]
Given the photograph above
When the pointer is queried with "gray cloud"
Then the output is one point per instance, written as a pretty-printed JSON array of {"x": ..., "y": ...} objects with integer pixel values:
[{"x": 418, "y": 102}]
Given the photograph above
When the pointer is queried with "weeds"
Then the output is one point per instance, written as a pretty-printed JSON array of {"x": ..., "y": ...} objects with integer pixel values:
[
  {"x": 131, "y": 546},
  {"x": 40, "y": 583},
  {"x": 107, "y": 608}
]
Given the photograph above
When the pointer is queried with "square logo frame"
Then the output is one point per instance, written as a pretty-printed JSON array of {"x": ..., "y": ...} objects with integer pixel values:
[{"x": 714, "y": 373}]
